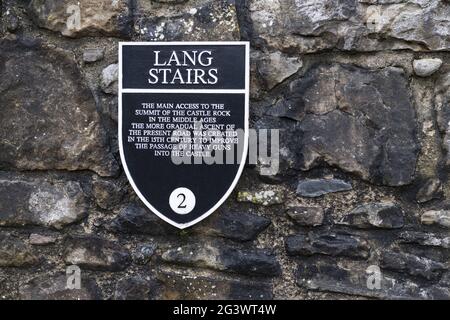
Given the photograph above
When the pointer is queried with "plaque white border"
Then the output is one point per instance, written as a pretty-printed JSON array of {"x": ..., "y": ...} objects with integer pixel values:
[{"x": 246, "y": 91}]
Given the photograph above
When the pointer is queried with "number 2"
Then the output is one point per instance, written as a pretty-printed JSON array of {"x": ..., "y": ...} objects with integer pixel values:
[{"x": 181, "y": 205}]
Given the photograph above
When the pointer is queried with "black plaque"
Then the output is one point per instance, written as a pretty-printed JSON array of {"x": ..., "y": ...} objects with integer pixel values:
[{"x": 183, "y": 124}]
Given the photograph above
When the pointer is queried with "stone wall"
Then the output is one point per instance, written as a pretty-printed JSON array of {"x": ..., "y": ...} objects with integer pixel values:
[{"x": 359, "y": 90}]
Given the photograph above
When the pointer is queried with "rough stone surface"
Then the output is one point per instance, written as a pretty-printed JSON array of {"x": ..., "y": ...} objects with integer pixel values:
[
  {"x": 93, "y": 54},
  {"x": 432, "y": 189},
  {"x": 184, "y": 285},
  {"x": 275, "y": 67},
  {"x": 438, "y": 217},
  {"x": 351, "y": 278},
  {"x": 137, "y": 288},
  {"x": 134, "y": 219},
  {"x": 413, "y": 265},
  {"x": 379, "y": 215},
  {"x": 443, "y": 115},
  {"x": 306, "y": 216},
  {"x": 357, "y": 92},
  {"x": 15, "y": 253},
  {"x": 108, "y": 194},
  {"x": 299, "y": 25},
  {"x": 426, "y": 67},
  {"x": 83, "y": 18},
  {"x": 333, "y": 244},
  {"x": 54, "y": 288},
  {"x": 235, "y": 226},
  {"x": 319, "y": 187},
  {"x": 144, "y": 253},
  {"x": 312, "y": 26},
  {"x": 201, "y": 20},
  {"x": 95, "y": 253},
  {"x": 42, "y": 239},
  {"x": 359, "y": 120},
  {"x": 267, "y": 196},
  {"x": 425, "y": 239},
  {"x": 109, "y": 79},
  {"x": 225, "y": 258},
  {"x": 53, "y": 204},
  {"x": 51, "y": 124}
]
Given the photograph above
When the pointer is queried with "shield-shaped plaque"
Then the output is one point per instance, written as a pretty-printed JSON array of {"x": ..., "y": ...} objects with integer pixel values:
[{"x": 183, "y": 124}]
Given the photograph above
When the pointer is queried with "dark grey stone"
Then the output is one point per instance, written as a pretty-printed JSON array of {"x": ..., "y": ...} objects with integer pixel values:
[
  {"x": 233, "y": 225},
  {"x": 350, "y": 277},
  {"x": 59, "y": 127},
  {"x": 135, "y": 219},
  {"x": 185, "y": 286},
  {"x": 425, "y": 239},
  {"x": 318, "y": 187},
  {"x": 222, "y": 257},
  {"x": 359, "y": 120},
  {"x": 41, "y": 202},
  {"x": 108, "y": 193},
  {"x": 386, "y": 215},
  {"x": 327, "y": 243},
  {"x": 251, "y": 262},
  {"x": 10, "y": 16},
  {"x": 273, "y": 68},
  {"x": 95, "y": 253},
  {"x": 137, "y": 288},
  {"x": 306, "y": 216},
  {"x": 15, "y": 253},
  {"x": 411, "y": 264},
  {"x": 431, "y": 189},
  {"x": 54, "y": 287}
]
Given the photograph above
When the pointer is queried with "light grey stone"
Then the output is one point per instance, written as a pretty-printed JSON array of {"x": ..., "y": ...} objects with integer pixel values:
[
  {"x": 438, "y": 217},
  {"x": 83, "y": 17},
  {"x": 426, "y": 67},
  {"x": 318, "y": 187},
  {"x": 39, "y": 202},
  {"x": 265, "y": 195},
  {"x": 93, "y": 54},
  {"x": 109, "y": 79},
  {"x": 430, "y": 190},
  {"x": 42, "y": 239}
]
